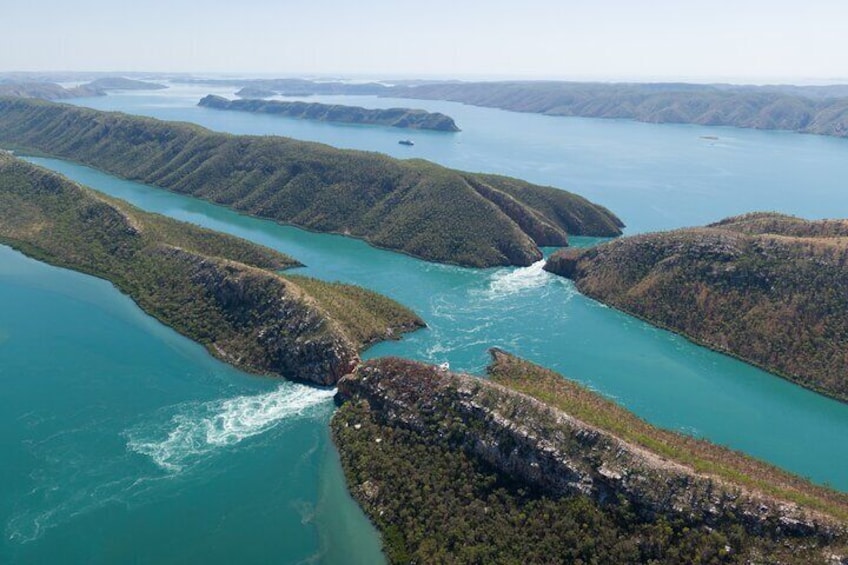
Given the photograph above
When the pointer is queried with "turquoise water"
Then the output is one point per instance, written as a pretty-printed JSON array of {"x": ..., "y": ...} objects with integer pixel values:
[
  {"x": 654, "y": 177},
  {"x": 125, "y": 442},
  {"x": 124, "y": 436}
]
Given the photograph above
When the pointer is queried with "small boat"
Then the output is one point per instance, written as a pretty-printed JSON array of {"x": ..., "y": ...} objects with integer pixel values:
[
  {"x": 444, "y": 366},
  {"x": 406, "y": 142}
]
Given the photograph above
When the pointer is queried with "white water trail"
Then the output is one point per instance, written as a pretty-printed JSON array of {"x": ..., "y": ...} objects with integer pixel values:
[
  {"x": 506, "y": 282},
  {"x": 197, "y": 430}
]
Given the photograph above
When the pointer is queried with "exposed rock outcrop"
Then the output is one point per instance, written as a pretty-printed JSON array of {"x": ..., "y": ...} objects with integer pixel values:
[
  {"x": 219, "y": 290},
  {"x": 394, "y": 408},
  {"x": 768, "y": 288},
  {"x": 540, "y": 446}
]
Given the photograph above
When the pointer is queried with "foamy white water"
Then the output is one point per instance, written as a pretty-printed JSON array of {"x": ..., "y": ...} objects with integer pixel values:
[
  {"x": 508, "y": 281},
  {"x": 196, "y": 430}
]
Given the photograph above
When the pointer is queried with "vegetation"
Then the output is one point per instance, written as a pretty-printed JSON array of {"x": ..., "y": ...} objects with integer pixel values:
[
  {"x": 700, "y": 455},
  {"x": 454, "y": 469},
  {"x": 393, "y": 117},
  {"x": 712, "y": 105},
  {"x": 46, "y": 90},
  {"x": 216, "y": 289},
  {"x": 807, "y": 109},
  {"x": 411, "y": 206},
  {"x": 122, "y": 83},
  {"x": 769, "y": 289}
]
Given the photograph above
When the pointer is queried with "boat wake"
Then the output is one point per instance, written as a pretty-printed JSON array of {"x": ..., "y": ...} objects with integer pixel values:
[{"x": 196, "y": 430}]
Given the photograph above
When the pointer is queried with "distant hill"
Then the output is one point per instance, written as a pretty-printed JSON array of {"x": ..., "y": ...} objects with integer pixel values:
[
  {"x": 121, "y": 83},
  {"x": 767, "y": 288},
  {"x": 46, "y": 90},
  {"x": 744, "y": 107},
  {"x": 526, "y": 466},
  {"x": 219, "y": 290},
  {"x": 819, "y": 110},
  {"x": 392, "y": 117},
  {"x": 412, "y": 206}
]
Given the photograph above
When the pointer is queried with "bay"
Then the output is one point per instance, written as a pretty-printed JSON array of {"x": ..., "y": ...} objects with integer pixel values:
[{"x": 126, "y": 392}]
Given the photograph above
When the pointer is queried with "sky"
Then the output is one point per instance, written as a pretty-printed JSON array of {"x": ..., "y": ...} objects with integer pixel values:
[{"x": 742, "y": 40}]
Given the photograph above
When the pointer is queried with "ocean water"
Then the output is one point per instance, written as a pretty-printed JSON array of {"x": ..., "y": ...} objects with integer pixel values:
[{"x": 130, "y": 443}]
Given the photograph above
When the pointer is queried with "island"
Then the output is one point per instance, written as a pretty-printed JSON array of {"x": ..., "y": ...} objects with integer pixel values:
[
  {"x": 255, "y": 92},
  {"x": 393, "y": 117},
  {"x": 767, "y": 288},
  {"x": 123, "y": 83},
  {"x": 529, "y": 467},
  {"x": 821, "y": 110},
  {"x": 412, "y": 206},
  {"x": 221, "y": 291}
]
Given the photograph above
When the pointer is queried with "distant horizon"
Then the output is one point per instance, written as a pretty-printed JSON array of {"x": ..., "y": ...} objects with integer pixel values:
[
  {"x": 750, "y": 42},
  {"x": 467, "y": 77}
]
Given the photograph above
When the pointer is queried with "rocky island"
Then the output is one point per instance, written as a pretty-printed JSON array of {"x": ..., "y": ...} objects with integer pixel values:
[
  {"x": 412, "y": 206},
  {"x": 219, "y": 290},
  {"x": 767, "y": 288},
  {"x": 528, "y": 467},
  {"x": 393, "y": 117}
]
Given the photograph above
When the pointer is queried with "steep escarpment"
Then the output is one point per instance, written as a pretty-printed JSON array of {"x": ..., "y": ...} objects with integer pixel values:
[
  {"x": 768, "y": 288},
  {"x": 219, "y": 290},
  {"x": 455, "y": 469},
  {"x": 411, "y": 206},
  {"x": 393, "y": 117}
]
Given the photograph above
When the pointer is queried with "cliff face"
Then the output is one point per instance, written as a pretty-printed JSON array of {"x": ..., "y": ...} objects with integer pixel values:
[
  {"x": 411, "y": 206},
  {"x": 264, "y": 323},
  {"x": 770, "y": 289},
  {"x": 395, "y": 404},
  {"x": 219, "y": 290},
  {"x": 392, "y": 117}
]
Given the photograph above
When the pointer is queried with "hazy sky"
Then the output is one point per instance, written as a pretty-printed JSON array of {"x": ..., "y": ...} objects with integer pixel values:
[{"x": 605, "y": 39}]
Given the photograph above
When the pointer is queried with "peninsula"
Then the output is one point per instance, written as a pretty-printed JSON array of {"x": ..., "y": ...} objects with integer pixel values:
[
  {"x": 528, "y": 467},
  {"x": 47, "y": 90},
  {"x": 767, "y": 288},
  {"x": 219, "y": 290},
  {"x": 412, "y": 206},
  {"x": 393, "y": 117}
]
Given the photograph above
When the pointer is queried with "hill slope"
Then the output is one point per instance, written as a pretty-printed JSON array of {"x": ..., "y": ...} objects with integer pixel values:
[
  {"x": 820, "y": 110},
  {"x": 713, "y": 105},
  {"x": 770, "y": 289},
  {"x": 532, "y": 468},
  {"x": 216, "y": 289},
  {"x": 415, "y": 207}
]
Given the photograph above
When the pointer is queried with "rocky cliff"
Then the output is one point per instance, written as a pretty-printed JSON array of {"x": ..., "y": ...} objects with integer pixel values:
[
  {"x": 768, "y": 288},
  {"x": 219, "y": 290},
  {"x": 393, "y": 117},
  {"x": 412, "y": 206},
  {"x": 536, "y": 453}
]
